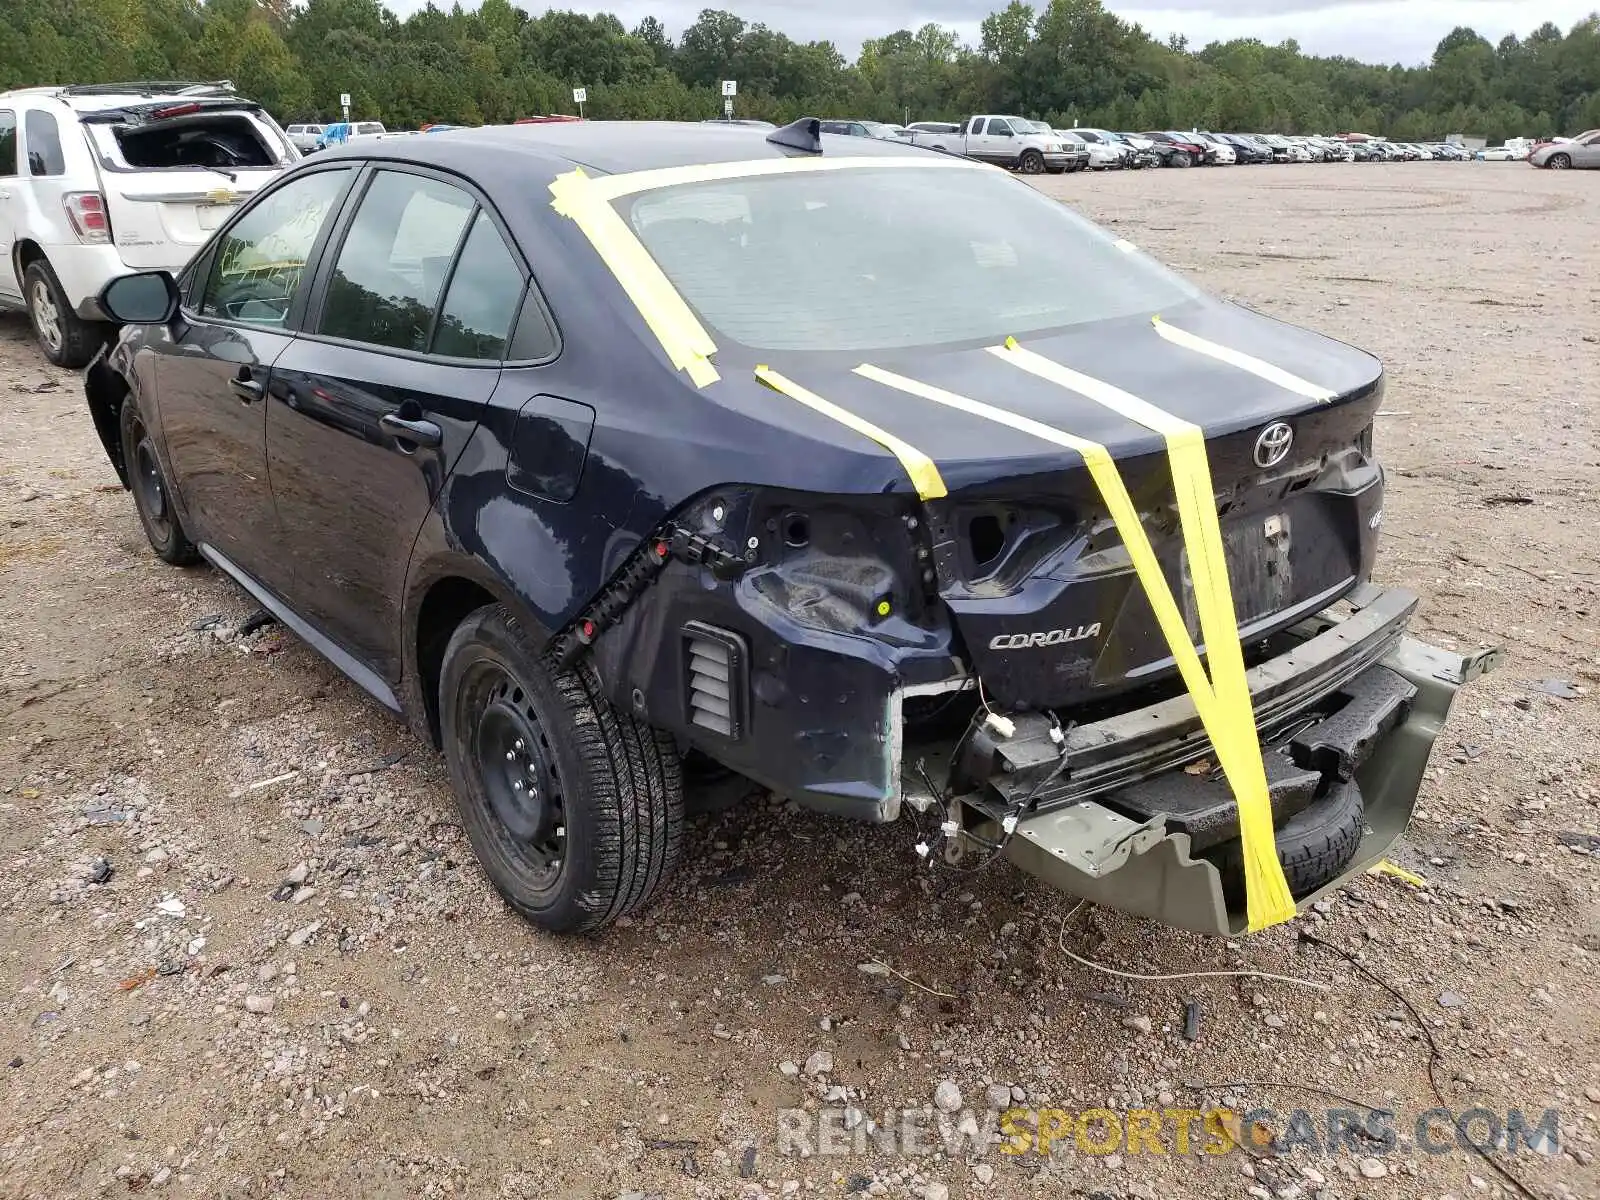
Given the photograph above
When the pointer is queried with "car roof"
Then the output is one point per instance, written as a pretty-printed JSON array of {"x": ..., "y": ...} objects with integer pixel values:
[{"x": 607, "y": 147}]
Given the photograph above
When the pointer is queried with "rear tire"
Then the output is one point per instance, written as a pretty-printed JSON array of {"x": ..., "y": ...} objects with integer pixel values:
[
  {"x": 574, "y": 809},
  {"x": 64, "y": 338},
  {"x": 151, "y": 495},
  {"x": 1314, "y": 845}
]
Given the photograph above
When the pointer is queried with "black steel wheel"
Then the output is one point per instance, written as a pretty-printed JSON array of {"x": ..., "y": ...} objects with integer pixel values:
[
  {"x": 1031, "y": 163},
  {"x": 151, "y": 496},
  {"x": 574, "y": 809}
]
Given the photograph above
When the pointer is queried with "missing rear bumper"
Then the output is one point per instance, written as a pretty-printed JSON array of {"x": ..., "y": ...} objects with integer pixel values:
[{"x": 1150, "y": 867}]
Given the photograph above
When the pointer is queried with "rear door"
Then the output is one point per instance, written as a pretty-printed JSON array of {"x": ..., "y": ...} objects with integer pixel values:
[
  {"x": 174, "y": 172},
  {"x": 213, "y": 367},
  {"x": 374, "y": 401},
  {"x": 10, "y": 204}
]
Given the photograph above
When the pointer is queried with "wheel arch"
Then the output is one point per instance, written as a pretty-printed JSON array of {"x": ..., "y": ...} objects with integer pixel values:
[
  {"x": 24, "y": 252},
  {"x": 106, "y": 390},
  {"x": 444, "y": 590}
]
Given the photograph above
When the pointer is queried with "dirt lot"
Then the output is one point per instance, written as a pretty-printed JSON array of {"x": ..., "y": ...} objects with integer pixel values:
[{"x": 380, "y": 1026}]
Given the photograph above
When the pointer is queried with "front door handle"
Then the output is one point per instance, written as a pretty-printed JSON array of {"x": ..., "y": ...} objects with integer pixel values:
[
  {"x": 413, "y": 433},
  {"x": 247, "y": 390}
]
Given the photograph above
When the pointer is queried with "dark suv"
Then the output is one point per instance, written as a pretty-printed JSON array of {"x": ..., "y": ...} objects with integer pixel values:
[{"x": 789, "y": 452}]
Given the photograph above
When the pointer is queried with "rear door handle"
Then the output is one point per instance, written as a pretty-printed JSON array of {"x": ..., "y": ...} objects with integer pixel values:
[
  {"x": 247, "y": 390},
  {"x": 413, "y": 433}
]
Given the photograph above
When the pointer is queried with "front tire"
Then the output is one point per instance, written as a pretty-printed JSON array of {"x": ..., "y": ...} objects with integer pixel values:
[
  {"x": 65, "y": 338},
  {"x": 151, "y": 496},
  {"x": 574, "y": 809},
  {"x": 1181, "y": 160},
  {"x": 1031, "y": 163},
  {"x": 1560, "y": 162}
]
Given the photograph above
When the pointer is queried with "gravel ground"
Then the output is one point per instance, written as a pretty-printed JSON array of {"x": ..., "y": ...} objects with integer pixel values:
[{"x": 244, "y": 950}]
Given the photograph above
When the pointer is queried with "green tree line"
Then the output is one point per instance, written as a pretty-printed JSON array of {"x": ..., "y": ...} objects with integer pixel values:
[{"x": 1071, "y": 62}]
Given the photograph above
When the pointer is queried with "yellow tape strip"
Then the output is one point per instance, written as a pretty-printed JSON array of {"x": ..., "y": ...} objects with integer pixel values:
[
  {"x": 1245, "y": 362},
  {"x": 924, "y": 474},
  {"x": 1404, "y": 876},
  {"x": 679, "y": 331},
  {"x": 1223, "y": 702}
]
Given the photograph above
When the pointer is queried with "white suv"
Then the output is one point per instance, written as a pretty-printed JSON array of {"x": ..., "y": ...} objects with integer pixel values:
[
  {"x": 103, "y": 179},
  {"x": 304, "y": 137}
]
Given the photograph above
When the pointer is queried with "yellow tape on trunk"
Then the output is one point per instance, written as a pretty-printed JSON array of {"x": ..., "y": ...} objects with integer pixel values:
[
  {"x": 923, "y": 472},
  {"x": 679, "y": 331},
  {"x": 1223, "y": 700}
]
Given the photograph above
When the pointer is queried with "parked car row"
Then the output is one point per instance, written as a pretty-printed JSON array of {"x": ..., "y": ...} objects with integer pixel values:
[{"x": 1033, "y": 147}]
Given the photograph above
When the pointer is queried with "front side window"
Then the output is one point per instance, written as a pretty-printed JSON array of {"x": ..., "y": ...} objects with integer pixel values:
[
  {"x": 875, "y": 259},
  {"x": 999, "y": 126},
  {"x": 260, "y": 261},
  {"x": 392, "y": 266},
  {"x": 42, "y": 138},
  {"x": 8, "y": 143}
]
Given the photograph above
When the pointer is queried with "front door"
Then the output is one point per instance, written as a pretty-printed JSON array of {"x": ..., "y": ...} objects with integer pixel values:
[
  {"x": 374, "y": 402},
  {"x": 997, "y": 143},
  {"x": 215, "y": 363}
]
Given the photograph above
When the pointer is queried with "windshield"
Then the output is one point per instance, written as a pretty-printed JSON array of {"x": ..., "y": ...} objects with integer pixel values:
[{"x": 873, "y": 259}]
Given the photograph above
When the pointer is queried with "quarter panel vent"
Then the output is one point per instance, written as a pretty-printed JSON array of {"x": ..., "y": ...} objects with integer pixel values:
[{"x": 714, "y": 679}]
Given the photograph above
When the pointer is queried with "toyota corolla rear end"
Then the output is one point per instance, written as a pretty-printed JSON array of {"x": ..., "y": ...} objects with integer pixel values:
[{"x": 983, "y": 632}]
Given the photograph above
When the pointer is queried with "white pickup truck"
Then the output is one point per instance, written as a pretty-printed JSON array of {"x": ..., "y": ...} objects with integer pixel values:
[{"x": 1006, "y": 141}]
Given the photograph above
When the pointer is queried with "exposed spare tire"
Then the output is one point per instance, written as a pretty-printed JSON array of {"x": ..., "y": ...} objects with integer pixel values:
[{"x": 1314, "y": 845}]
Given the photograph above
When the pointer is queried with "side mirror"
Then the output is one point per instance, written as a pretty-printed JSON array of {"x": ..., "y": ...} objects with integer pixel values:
[{"x": 145, "y": 298}]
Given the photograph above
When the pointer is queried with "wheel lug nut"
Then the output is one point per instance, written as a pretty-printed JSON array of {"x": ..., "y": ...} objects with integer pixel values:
[
  {"x": 510, "y": 756},
  {"x": 516, "y": 785},
  {"x": 519, "y": 743}
]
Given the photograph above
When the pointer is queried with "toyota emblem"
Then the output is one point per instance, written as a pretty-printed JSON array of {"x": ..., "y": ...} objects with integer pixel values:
[{"x": 1272, "y": 445}]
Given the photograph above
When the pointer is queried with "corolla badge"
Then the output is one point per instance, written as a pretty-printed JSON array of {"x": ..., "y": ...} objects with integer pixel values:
[
  {"x": 1272, "y": 444},
  {"x": 1049, "y": 637}
]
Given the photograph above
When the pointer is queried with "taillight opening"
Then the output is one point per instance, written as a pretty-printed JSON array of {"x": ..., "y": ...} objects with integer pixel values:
[{"x": 87, "y": 213}]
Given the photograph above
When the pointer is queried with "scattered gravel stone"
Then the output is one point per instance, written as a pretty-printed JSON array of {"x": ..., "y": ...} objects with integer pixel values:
[
  {"x": 1450, "y": 1000},
  {"x": 820, "y": 1063},
  {"x": 947, "y": 1096},
  {"x": 260, "y": 1005},
  {"x": 1141, "y": 1023},
  {"x": 998, "y": 1096},
  {"x": 788, "y": 1069},
  {"x": 1372, "y": 1168}
]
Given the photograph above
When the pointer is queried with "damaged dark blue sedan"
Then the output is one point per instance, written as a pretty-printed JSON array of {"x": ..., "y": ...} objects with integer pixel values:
[{"x": 617, "y": 455}]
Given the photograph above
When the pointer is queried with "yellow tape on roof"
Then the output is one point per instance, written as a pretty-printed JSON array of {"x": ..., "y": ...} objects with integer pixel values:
[{"x": 679, "y": 331}]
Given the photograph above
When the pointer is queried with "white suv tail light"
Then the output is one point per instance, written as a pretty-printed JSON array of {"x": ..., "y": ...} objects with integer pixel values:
[{"x": 87, "y": 212}]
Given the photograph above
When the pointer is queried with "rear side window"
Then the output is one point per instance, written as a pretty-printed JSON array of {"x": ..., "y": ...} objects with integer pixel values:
[
  {"x": 42, "y": 137},
  {"x": 475, "y": 319},
  {"x": 392, "y": 266},
  {"x": 260, "y": 262},
  {"x": 8, "y": 143},
  {"x": 369, "y": 127}
]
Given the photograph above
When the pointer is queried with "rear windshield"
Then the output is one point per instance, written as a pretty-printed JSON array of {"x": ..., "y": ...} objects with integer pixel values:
[
  {"x": 216, "y": 141},
  {"x": 878, "y": 259}
]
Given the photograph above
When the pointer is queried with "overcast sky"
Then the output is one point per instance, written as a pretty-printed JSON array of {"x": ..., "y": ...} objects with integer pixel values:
[{"x": 1386, "y": 31}]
